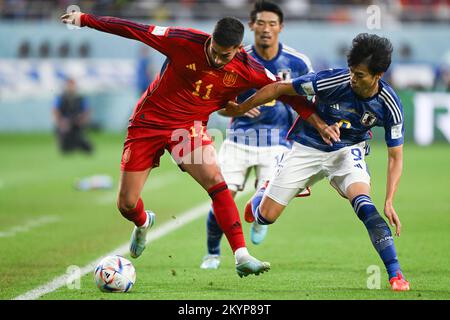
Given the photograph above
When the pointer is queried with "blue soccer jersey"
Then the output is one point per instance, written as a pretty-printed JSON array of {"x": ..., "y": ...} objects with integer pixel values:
[
  {"x": 272, "y": 125},
  {"x": 336, "y": 102}
]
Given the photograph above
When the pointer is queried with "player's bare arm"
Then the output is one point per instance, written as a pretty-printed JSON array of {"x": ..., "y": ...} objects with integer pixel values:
[
  {"x": 252, "y": 113},
  {"x": 268, "y": 93},
  {"x": 395, "y": 167},
  {"x": 275, "y": 90}
]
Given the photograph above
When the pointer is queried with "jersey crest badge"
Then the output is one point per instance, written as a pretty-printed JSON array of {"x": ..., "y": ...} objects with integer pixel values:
[
  {"x": 368, "y": 119},
  {"x": 285, "y": 74},
  {"x": 229, "y": 79}
]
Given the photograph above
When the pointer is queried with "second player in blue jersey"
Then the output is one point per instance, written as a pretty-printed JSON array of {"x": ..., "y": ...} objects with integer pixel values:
[{"x": 257, "y": 140}]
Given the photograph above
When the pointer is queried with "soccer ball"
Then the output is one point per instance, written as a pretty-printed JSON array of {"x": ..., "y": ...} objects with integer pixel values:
[{"x": 115, "y": 274}]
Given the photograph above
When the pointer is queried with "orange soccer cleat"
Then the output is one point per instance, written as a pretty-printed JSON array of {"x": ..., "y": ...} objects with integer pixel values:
[
  {"x": 248, "y": 214},
  {"x": 399, "y": 283}
]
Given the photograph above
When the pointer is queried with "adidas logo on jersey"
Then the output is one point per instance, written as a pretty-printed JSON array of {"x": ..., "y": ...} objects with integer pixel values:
[{"x": 191, "y": 66}]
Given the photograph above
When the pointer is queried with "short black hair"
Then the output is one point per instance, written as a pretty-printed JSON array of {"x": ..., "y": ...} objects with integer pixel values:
[
  {"x": 371, "y": 50},
  {"x": 228, "y": 32},
  {"x": 263, "y": 5}
]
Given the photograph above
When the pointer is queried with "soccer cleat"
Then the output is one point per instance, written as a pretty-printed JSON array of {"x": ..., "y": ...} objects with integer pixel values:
[
  {"x": 248, "y": 214},
  {"x": 399, "y": 283},
  {"x": 210, "y": 261},
  {"x": 258, "y": 232},
  {"x": 248, "y": 211},
  {"x": 139, "y": 236},
  {"x": 251, "y": 266}
]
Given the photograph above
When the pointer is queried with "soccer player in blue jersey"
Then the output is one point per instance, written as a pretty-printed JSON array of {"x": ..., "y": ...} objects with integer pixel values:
[
  {"x": 258, "y": 139},
  {"x": 357, "y": 99}
]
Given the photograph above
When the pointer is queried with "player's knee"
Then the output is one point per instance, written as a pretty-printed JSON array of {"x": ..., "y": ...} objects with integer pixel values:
[{"x": 126, "y": 203}]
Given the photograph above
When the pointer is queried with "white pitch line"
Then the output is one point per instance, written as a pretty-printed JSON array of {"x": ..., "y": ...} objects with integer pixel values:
[
  {"x": 30, "y": 224},
  {"x": 154, "y": 234}
]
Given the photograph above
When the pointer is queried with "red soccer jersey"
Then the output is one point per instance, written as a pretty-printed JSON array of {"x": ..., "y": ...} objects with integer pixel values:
[{"x": 188, "y": 88}]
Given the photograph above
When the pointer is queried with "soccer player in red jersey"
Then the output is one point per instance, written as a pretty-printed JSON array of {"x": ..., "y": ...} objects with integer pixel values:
[{"x": 200, "y": 75}]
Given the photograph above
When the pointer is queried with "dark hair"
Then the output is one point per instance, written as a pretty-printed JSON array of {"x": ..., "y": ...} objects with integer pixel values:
[
  {"x": 228, "y": 32},
  {"x": 262, "y": 5},
  {"x": 372, "y": 50}
]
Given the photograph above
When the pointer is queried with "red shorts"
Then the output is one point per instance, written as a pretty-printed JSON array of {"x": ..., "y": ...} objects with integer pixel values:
[{"x": 144, "y": 146}]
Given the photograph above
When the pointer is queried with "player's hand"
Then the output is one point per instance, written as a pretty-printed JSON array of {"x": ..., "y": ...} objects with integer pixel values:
[
  {"x": 73, "y": 18},
  {"x": 330, "y": 133},
  {"x": 393, "y": 218},
  {"x": 252, "y": 113},
  {"x": 233, "y": 109}
]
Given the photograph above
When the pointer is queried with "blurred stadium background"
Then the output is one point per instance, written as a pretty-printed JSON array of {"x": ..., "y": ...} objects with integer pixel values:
[{"x": 38, "y": 53}]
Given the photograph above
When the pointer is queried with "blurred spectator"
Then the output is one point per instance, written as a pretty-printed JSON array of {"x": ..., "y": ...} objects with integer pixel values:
[
  {"x": 405, "y": 53},
  {"x": 24, "y": 49},
  {"x": 44, "y": 49},
  {"x": 320, "y": 10},
  {"x": 409, "y": 73},
  {"x": 64, "y": 50},
  {"x": 84, "y": 50},
  {"x": 71, "y": 117},
  {"x": 144, "y": 71}
]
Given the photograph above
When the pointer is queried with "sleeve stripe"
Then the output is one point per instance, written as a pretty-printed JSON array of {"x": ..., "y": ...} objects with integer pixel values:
[
  {"x": 247, "y": 59},
  {"x": 255, "y": 64},
  {"x": 133, "y": 25},
  {"x": 189, "y": 39},
  {"x": 325, "y": 81},
  {"x": 324, "y": 85},
  {"x": 187, "y": 35},
  {"x": 392, "y": 105},
  {"x": 345, "y": 81},
  {"x": 248, "y": 48},
  {"x": 394, "y": 115},
  {"x": 299, "y": 55}
]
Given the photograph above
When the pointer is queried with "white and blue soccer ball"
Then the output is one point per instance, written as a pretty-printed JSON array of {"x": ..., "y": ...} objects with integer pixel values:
[{"x": 115, "y": 274}]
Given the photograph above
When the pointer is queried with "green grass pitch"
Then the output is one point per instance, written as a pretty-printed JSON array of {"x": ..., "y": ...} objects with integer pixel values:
[{"x": 318, "y": 248}]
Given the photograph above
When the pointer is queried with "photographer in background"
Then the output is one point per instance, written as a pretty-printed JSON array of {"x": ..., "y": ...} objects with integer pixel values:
[{"x": 71, "y": 115}]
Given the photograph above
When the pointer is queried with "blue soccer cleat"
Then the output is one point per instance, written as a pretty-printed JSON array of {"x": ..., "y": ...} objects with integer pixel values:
[
  {"x": 258, "y": 232},
  {"x": 251, "y": 266},
  {"x": 139, "y": 236}
]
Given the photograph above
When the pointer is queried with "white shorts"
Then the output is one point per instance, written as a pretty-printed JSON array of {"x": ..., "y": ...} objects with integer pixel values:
[
  {"x": 236, "y": 160},
  {"x": 303, "y": 166}
]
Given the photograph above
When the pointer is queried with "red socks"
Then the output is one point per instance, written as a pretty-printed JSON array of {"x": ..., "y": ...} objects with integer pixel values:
[
  {"x": 137, "y": 215},
  {"x": 227, "y": 215}
]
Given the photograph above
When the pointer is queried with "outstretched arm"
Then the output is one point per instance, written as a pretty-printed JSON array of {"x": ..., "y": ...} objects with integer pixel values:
[
  {"x": 395, "y": 168},
  {"x": 151, "y": 35},
  {"x": 284, "y": 91},
  {"x": 268, "y": 93}
]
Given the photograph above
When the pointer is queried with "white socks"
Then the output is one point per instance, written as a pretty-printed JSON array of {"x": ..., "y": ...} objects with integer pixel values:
[{"x": 240, "y": 254}]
